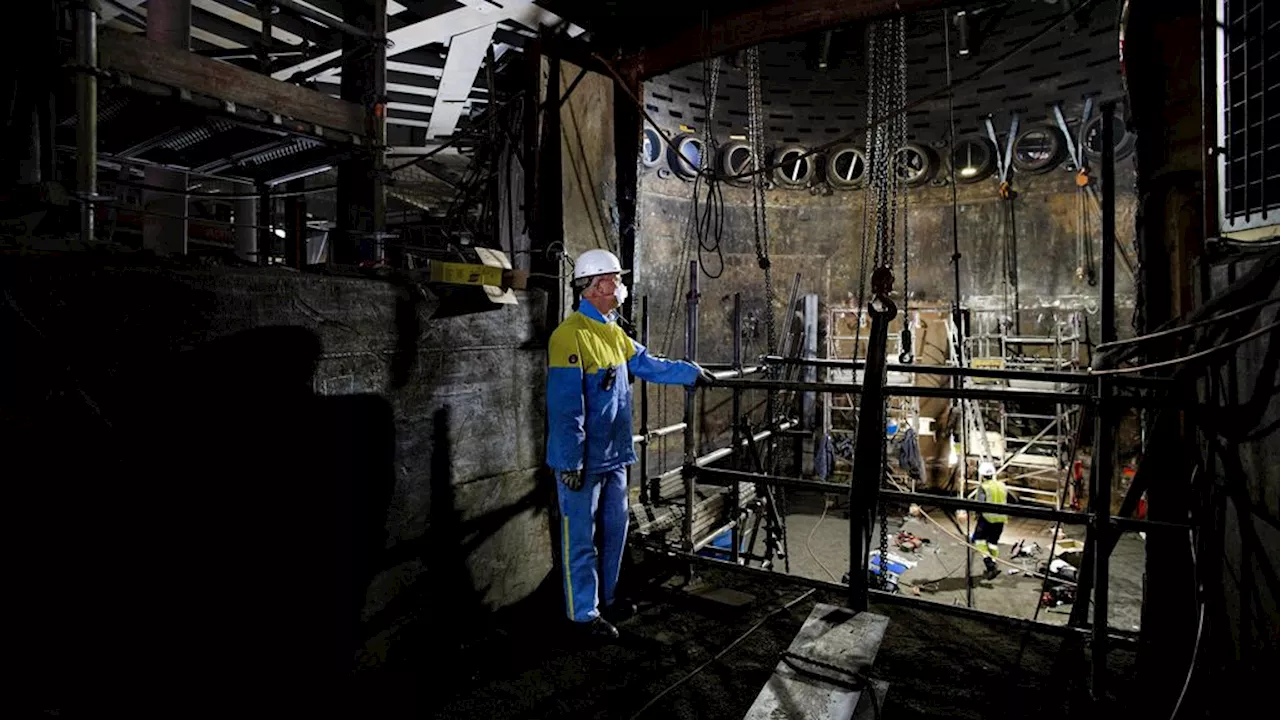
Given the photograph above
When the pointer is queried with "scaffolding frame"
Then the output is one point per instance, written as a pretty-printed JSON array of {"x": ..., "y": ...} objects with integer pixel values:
[{"x": 1051, "y": 425}]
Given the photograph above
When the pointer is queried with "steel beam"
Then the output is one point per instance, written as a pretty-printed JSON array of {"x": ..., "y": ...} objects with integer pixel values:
[
  {"x": 168, "y": 24},
  {"x": 139, "y": 57},
  {"x": 362, "y": 204},
  {"x": 773, "y": 21},
  {"x": 333, "y": 23}
]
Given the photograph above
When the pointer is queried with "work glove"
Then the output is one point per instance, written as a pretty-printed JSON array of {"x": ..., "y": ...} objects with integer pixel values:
[
  {"x": 572, "y": 479},
  {"x": 704, "y": 378}
]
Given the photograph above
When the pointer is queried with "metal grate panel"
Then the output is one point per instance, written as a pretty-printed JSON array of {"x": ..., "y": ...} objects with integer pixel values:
[{"x": 1248, "y": 114}]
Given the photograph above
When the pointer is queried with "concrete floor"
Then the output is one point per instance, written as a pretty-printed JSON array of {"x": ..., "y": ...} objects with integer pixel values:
[
  {"x": 526, "y": 663},
  {"x": 939, "y": 574}
]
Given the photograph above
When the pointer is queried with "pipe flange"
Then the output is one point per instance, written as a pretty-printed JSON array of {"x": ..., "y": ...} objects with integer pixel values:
[
  {"x": 651, "y": 148},
  {"x": 915, "y": 164},
  {"x": 1122, "y": 140},
  {"x": 974, "y": 159},
  {"x": 794, "y": 166},
  {"x": 846, "y": 167},
  {"x": 1038, "y": 149},
  {"x": 685, "y": 158},
  {"x": 734, "y": 162}
]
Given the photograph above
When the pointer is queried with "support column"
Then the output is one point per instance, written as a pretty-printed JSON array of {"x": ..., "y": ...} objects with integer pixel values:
[
  {"x": 295, "y": 225},
  {"x": 165, "y": 233},
  {"x": 266, "y": 236},
  {"x": 626, "y": 146},
  {"x": 246, "y": 236},
  {"x": 87, "y": 112},
  {"x": 548, "y": 227},
  {"x": 362, "y": 204}
]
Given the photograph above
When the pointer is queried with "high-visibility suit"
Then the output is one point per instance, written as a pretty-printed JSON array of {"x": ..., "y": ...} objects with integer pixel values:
[
  {"x": 589, "y": 429},
  {"x": 986, "y": 536}
]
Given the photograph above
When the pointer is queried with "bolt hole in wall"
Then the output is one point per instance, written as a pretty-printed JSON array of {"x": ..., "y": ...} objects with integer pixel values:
[{"x": 1028, "y": 269}]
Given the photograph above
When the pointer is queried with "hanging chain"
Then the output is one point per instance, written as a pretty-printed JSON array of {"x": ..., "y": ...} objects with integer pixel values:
[
  {"x": 886, "y": 96},
  {"x": 711, "y": 83},
  {"x": 880, "y": 510},
  {"x": 755, "y": 129}
]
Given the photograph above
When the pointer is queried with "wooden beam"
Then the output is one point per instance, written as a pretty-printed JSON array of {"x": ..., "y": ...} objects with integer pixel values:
[
  {"x": 775, "y": 21},
  {"x": 138, "y": 57}
]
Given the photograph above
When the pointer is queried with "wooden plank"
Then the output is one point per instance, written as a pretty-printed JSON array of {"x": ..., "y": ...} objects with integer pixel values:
[
  {"x": 821, "y": 675},
  {"x": 142, "y": 58},
  {"x": 774, "y": 21}
]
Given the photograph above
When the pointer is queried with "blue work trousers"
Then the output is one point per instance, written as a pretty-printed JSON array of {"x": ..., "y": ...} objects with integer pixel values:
[{"x": 593, "y": 536}]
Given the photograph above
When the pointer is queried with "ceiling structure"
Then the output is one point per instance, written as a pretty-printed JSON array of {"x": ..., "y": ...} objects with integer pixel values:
[{"x": 434, "y": 62}]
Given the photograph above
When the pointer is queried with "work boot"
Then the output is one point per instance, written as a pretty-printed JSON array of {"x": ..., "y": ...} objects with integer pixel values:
[
  {"x": 598, "y": 629},
  {"x": 620, "y": 611},
  {"x": 993, "y": 570}
]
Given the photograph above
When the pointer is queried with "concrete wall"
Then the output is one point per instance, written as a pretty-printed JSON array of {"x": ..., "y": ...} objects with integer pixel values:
[
  {"x": 314, "y": 467},
  {"x": 820, "y": 237}
]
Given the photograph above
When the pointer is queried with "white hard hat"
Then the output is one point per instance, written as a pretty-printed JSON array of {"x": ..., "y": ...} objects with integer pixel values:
[
  {"x": 596, "y": 262},
  {"x": 986, "y": 469}
]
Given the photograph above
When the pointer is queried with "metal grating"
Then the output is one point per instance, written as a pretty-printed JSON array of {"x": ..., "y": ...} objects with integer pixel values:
[{"x": 1248, "y": 114}]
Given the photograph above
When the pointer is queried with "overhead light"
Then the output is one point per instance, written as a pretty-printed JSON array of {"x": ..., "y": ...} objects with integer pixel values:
[
  {"x": 280, "y": 232},
  {"x": 969, "y": 171},
  {"x": 737, "y": 137}
]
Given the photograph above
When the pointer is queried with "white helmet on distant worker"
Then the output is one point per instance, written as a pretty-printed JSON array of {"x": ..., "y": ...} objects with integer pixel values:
[
  {"x": 986, "y": 469},
  {"x": 596, "y": 262}
]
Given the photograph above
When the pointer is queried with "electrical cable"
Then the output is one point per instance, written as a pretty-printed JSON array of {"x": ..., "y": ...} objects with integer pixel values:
[
  {"x": 848, "y": 136},
  {"x": 1189, "y": 326},
  {"x": 665, "y": 691},
  {"x": 1193, "y": 356},
  {"x": 808, "y": 541}
]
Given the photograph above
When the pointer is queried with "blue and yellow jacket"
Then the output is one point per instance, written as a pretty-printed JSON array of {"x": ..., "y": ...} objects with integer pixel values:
[{"x": 589, "y": 391}]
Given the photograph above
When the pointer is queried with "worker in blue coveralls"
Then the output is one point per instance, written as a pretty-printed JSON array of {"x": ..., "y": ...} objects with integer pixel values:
[{"x": 589, "y": 437}]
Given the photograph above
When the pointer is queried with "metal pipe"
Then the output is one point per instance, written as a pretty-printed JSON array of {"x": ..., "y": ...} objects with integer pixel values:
[
  {"x": 735, "y": 492},
  {"x": 950, "y": 502},
  {"x": 1104, "y": 438},
  {"x": 325, "y": 20},
  {"x": 733, "y": 477},
  {"x": 710, "y": 538},
  {"x": 690, "y": 399},
  {"x": 972, "y": 393},
  {"x": 1071, "y": 378},
  {"x": 645, "y": 494},
  {"x": 737, "y": 372},
  {"x": 1100, "y": 507},
  {"x": 722, "y": 453},
  {"x": 87, "y": 116},
  {"x": 1108, "y": 304}
]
